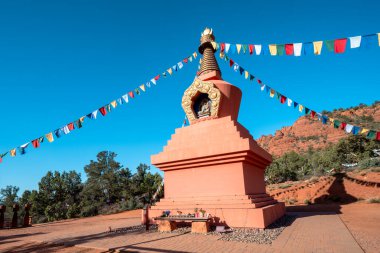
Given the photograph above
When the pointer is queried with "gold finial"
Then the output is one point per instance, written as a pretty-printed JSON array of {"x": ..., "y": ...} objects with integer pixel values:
[{"x": 207, "y": 49}]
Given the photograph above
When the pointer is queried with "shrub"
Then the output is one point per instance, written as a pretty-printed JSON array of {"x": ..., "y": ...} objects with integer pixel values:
[
  {"x": 307, "y": 201},
  {"x": 373, "y": 200},
  {"x": 369, "y": 162}
]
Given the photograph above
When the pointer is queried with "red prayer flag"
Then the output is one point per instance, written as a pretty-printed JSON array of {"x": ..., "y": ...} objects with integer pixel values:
[
  {"x": 259, "y": 81},
  {"x": 340, "y": 45},
  {"x": 343, "y": 125},
  {"x": 70, "y": 126},
  {"x": 312, "y": 113},
  {"x": 289, "y": 49},
  {"x": 131, "y": 94},
  {"x": 156, "y": 77},
  {"x": 222, "y": 46},
  {"x": 103, "y": 111},
  {"x": 282, "y": 99},
  {"x": 185, "y": 60},
  {"x": 1, "y": 159},
  {"x": 231, "y": 62},
  {"x": 35, "y": 143},
  {"x": 378, "y": 136},
  {"x": 251, "y": 47}
]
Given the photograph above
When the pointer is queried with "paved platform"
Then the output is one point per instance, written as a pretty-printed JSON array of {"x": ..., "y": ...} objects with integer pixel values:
[{"x": 310, "y": 232}]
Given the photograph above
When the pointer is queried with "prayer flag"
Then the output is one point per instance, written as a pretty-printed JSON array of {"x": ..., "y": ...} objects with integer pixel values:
[
  {"x": 233, "y": 49},
  {"x": 307, "y": 110},
  {"x": 336, "y": 123},
  {"x": 41, "y": 139},
  {"x": 267, "y": 89},
  {"x": 371, "y": 134},
  {"x": 195, "y": 55},
  {"x": 295, "y": 104},
  {"x": 148, "y": 84},
  {"x": 57, "y": 133},
  {"x": 343, "y": 125},
  {"x": 153, "y": 81},
  {"x": 231, "y": 62},
  {"x": 317, "y": 47},
  {"x": 227, "y": 47},
  {"x": 108, "y": 107},
  {"x": 280, "y": 50},
  {"x": 103, "y": 111},
  {"x": 125, "y": 97},
  {"x": 246, "y": 74},
  {"x": 257, "y": 49},
  {"x": 170, "y": 71},
  {"x": 355, "y": 41},
  {"x": 308, "y": 48},
  {"x": 236, "y": 67},
  {"x": 35, "y": 143},
  {"x": 245, "y": 48},
  {"x": 238, "y": 48},
  {"x": 272, "y": 92},
  {"x": 369, "y": 41},
  {"x": 131, "y": 94},
  {"x": 22, "y": 148},
  {"x": 164, "y": 74},
  {"x": 324, "y": 119},
  {"x": 300, "y": 108},
  {"x": 289, "y": 102},
  {"x": 251, "y": 77},
  {"x": 120, "y": 101},
  {"x": 49, "y": 137},
  {"x": 297, "y": 49},
  {"x": 364, "y": 130},
  {"x": 70, "y": 126},
  {"x": 241, "y": 70},
  {"x": 78, "y": 123},
  {"x": 65, "y": 130},
  {"x": 282, "y": 99},
  {"x": 175, "y": 67},
  {"x": 142, "y": 87},
  {"x": 156, "y": 77},
  {"x": 185, "y": 60},
  {"x": 262, "y": 87},
  {"x": 378, "y": 136},
  {"x": 355, "y": 130},
  {"x": 289, "y": 49},
  {"x": 222, "y": 47},
  {"x": 330, "y": 45},
  {"x": 340, "y": 45},
  {"x": 13, "y": 152},
  {"x": 378, "y": 38},
  {"x": 94, "y": 114},
  {"x": 190, "y": 58},
  {"x": 349, "y": 128},
  {"x": 251, "y": 48},
  {"x": 180, "y": 65},
  {"x": 273, "y": 49},
  {"x": 312, "y": 113}
]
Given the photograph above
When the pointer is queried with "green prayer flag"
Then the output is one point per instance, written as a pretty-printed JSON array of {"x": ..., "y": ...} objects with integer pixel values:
[
  {"x": 371, "y": 134},
  {"x": 336, "y": 123},
  {"x": 307, "y": 110},
  {"x": 245, "y": 48},
  {"x": 137, "y": 91},
  {"x": 278, "y": 95},
  {"x": 280, "y": 49},
  {"x": 330, "y": 45},
  {"x": 41, "y": 139}
]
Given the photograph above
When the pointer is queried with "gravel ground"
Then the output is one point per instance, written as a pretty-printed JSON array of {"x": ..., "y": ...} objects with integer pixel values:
[{"x": 248, "y": 235}]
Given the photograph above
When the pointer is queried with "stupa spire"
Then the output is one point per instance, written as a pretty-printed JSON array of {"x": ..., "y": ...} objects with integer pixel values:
[{"x": 206, "y": 48}]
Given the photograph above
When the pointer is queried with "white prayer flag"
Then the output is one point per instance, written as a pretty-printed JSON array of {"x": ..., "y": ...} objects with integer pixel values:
[
  {"x": 227, "y": 47},
  {"x": 290, "y": 102},
  {"x": 297, "y": 47},
  {"x": 180, "y": 65},
  {"x": 355, "y": 41},
  {"x": 262, "y": 87},
  {"x": 94, "y": 113},
  {"x": 257, "y": 49},
  {"x": 125, "y": 97}
]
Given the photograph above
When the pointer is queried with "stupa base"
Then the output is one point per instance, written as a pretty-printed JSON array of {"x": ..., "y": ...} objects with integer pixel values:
[{"x": 245, "y": 211}]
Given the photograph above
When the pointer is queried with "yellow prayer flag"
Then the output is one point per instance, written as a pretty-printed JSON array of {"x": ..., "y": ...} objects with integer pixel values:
[
  {"x": 13, "y": 152},
  {"x": 273, "y": 49},
  {"x": 81, "y": 119},
  {"x": 246, "y": 74},
  {"x": 142, "y": 87},
  {"x": 195, "y": 55},
  {"x": 214, "y": 45},
  {"x": 378, "y": 35},
  {"x": 364, "y": 130},
  {"x": 331, "y": 120},
  {"x": 238, "y": 48},
  {"x": 221, "y": 55},
  {"x": 49, "y": 137},
  {"x": 300, "y": 108},
  {"x": 272, "y": 92},
  {"x": 114, "y": 104},
  {"x": 170, "y": 71},
  {"x": 317, "y": 47}
]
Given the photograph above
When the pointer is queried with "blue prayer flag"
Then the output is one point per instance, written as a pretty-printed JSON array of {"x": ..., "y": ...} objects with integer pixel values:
[{"x": 308, "y": 48}]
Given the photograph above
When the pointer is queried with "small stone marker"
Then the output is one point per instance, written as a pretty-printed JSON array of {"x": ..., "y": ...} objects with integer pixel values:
[{"x": 220, "y": 229}]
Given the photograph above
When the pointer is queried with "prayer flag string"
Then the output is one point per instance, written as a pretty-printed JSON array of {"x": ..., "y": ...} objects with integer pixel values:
[
  {"x": 104, "y": 110},
  {"x": 283, "y": 99}
]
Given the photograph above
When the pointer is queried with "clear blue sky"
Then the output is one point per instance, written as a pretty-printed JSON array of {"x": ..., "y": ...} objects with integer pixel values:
[{"x": 62, "y": 59}]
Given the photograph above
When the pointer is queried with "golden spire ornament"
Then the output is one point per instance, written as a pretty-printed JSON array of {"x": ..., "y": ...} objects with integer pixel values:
[{"x": 207, "y": 49}]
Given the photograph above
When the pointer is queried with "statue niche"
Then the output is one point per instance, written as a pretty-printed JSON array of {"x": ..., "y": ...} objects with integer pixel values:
[{"x": 202, "y": 106}]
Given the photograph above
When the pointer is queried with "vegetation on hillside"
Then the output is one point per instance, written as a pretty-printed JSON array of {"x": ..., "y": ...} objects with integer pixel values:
[
  {"x": 109, "y": 188},
  {"x": 351, "y": 150}
]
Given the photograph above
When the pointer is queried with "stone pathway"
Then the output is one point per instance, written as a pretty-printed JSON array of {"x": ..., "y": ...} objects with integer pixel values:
[{"x": 310, "y": 232}]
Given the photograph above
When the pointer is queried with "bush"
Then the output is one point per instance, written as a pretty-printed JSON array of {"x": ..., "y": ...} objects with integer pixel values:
[
  {"x": 369, "y": 162},
  {"x": 373, "y": 200}
]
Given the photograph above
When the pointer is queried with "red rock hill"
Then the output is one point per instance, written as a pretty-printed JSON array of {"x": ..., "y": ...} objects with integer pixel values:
[{"x": 308, "y": 132}]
